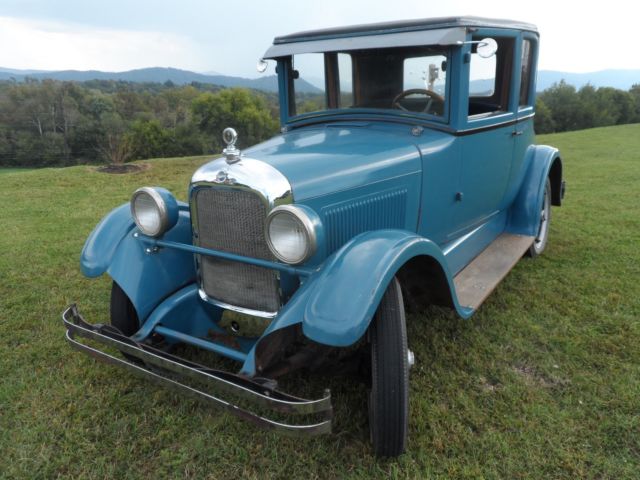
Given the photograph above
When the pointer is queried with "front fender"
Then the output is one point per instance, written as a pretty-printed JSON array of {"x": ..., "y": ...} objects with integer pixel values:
[
  {"x": 146, "y": 278},
  {"x": 348, "y": 289},
  {"x": 102, "y": 243},
  {"x": 524, "y": 214}
]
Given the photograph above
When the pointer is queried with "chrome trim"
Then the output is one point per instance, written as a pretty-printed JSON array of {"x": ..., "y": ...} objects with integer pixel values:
[
  {"x": 160, "y": 204},
  {"x": 230, "y": 137},
  {"x": 170, "y": 371},
  {"x": 233, "y": 308},
  {"x": 312, "y": 238},
  {"x": 248, "y": 174}
]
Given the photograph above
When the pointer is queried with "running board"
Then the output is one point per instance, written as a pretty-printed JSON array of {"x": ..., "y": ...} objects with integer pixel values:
[{"x": 477, "y": 280}]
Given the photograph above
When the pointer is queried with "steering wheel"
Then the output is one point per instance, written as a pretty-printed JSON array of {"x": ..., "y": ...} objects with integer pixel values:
[{"x": 429, "y": 93}]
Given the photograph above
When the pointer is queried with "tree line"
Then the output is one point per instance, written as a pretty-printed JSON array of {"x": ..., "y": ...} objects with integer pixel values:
[
  {"x": 53, "y": 123},
  {"x": 562, "y": 107}
]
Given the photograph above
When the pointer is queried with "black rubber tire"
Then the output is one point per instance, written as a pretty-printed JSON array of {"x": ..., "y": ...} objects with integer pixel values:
[
  {"x": 542, "y": 237},
  {"x": 123, "y": 314},
  {"x": 389, "y": 394},
  {"x": 124, "y": 317}
]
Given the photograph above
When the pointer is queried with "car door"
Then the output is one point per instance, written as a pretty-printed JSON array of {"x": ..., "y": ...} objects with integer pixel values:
[
  {"x": 487, "y": 141},
  {"x": 524, "y": 135}
]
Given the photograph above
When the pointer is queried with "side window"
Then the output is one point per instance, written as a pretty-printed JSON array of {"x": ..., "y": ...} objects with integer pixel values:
[
  {"x": 490, "y": 78},
  {"x": 309, "y": 82},
  {"x": 525, "y": 78},
  {"x": 482, "y": 76}
]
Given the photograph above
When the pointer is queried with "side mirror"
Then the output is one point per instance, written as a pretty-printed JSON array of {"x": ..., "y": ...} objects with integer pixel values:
[
  {"x": 262, "y": 65},
  {"x": 487, "y": 48}
]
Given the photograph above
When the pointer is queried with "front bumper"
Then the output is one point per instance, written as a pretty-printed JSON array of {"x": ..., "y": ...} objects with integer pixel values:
[{"x": 171, "y": 371}]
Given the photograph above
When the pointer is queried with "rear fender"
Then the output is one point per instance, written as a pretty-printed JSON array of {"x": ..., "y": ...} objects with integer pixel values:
[
  {"x": 146, "y": 277},
  {"x": 524, "y": 214}
]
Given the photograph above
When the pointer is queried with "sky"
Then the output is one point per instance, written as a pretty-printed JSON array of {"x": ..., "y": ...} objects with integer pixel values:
[{"x": 229, "y": 37}]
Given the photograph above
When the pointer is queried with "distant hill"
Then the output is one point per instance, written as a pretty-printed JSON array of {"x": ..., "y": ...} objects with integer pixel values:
[
  {"x": 267, "y": 83},
  {"x": 622, "y": 79}
]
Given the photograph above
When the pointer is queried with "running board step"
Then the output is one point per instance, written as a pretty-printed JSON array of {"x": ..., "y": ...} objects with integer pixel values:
[{"x": 477, "y": 280}]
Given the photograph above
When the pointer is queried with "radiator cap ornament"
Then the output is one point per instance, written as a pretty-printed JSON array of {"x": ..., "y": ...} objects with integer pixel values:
[{"x": 230, "y": 136}]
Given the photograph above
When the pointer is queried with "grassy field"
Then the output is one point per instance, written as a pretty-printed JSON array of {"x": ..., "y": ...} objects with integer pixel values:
[
  {"x": 543, "y": 382},
  {"x": 13, "y": 170}
]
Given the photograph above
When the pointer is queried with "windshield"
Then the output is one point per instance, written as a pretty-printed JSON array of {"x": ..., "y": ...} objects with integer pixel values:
[{"x": 402, "y": 79}]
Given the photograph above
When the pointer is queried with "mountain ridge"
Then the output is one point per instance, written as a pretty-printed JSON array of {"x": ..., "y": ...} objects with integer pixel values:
[
  {"x": 177, "y": 76},
  {"x": 617, "y": 78}
]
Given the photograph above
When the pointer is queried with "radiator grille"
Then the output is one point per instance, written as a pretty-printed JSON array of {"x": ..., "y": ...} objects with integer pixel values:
[{"x": 232, "y": 220}]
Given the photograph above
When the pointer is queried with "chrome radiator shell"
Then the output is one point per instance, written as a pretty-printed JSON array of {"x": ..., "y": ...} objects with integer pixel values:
[{"x": 229, "y": 205}]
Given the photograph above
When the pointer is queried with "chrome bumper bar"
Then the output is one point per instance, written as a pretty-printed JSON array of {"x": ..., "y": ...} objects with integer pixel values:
[{"x": 170, "y": 371}]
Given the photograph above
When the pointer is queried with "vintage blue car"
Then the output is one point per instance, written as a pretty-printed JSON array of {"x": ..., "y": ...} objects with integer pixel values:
[{"x": 409, "y": 175}]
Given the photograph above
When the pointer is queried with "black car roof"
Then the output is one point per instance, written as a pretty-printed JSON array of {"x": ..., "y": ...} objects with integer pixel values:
[{"x": 404, "y": 26}]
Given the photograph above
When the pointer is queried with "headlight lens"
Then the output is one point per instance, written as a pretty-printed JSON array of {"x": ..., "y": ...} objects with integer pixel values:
[
  {"x": 290, "y": 234},
  {"x": 154, "y": 210}
]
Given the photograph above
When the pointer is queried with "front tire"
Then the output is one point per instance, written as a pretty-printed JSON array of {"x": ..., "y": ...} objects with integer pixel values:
[
  {"x": 542, "y": 237},
  {"x": 123, "y": 314},
  {"x": 124, "y": 317},
  {"x": 389, "y": 395}
]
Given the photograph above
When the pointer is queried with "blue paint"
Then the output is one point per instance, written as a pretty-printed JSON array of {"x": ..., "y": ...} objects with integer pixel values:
[
  {"x": 525, "y": 211},
  {"x": 102, "y": 243},
  {"x": 352, "y": 282},
  {"x": 199, "y": 342},
  {"x": 145, "y": 278},
  {"x": 173, "y": 245},
  {"x": 184, "y": 311},
  {"x": 171, "y": 205},
  {"x": 329, "y": 158}
]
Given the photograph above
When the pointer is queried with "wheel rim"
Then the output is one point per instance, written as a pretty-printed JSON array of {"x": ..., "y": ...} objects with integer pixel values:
[{"x": 543, "y": 230}]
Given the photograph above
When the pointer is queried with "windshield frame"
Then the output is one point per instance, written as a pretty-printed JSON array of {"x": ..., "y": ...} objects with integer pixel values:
[{"x": 290, "y": 118}]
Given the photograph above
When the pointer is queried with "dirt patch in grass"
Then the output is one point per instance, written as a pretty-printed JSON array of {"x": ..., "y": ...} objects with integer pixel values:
[
  {"x": 487, "y": 385},
  {"x": 534, "y": 377},
  {"x": 123, "y": 168}
]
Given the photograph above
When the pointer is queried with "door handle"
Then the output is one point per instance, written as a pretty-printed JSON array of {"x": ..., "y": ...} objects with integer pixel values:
[{"x": 517, "y": 133}]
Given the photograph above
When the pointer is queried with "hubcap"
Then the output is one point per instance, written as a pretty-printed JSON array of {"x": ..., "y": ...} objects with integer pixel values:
[{"x": 544, "y": 223}]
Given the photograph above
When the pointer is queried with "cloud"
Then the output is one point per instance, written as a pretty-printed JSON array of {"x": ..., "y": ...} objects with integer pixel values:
[{"x": 46, "y": 45}]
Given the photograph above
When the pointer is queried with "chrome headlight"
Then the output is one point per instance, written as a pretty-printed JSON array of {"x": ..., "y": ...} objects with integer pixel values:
[
  {"x": 291, "y": 234},
  {"x": 154, "y": 209}
]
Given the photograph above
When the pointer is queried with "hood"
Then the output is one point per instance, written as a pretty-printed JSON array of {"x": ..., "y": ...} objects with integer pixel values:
[{"x": 324, "y": 159}]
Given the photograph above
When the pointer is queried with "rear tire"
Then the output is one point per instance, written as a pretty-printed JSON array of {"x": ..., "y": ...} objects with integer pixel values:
[
  {"x": 542, "y": 237},
  {"x": 389, "y": 395}
]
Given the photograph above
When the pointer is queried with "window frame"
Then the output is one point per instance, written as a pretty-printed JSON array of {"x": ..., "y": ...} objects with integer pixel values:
[
  {"x": 484, "y": 120},
  {"x": 287, "y": 93}
]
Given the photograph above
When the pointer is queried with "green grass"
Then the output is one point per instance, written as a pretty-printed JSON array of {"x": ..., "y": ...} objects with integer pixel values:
[
  {"x": 14, "y": 170},
  {"x": 543, "y": 382}
]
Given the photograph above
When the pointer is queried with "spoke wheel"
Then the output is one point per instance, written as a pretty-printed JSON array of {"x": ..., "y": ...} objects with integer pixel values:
[{"x": 389, "y": 394}]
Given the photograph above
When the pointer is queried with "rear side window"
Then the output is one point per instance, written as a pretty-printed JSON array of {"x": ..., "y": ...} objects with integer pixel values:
[{"x": 525, "y": 78}]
